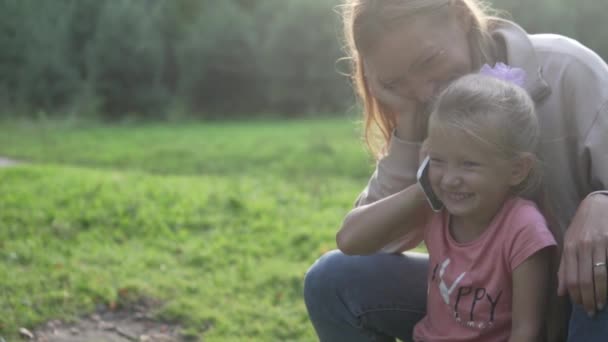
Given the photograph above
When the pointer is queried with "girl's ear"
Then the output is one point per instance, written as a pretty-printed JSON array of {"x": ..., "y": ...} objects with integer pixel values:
[{"x": 520, "y": 168}]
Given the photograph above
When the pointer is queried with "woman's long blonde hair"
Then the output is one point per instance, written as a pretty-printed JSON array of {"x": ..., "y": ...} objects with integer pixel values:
[{"x": 367, "y": 20}]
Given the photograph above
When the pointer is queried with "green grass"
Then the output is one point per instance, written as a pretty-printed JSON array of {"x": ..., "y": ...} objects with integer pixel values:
[
  {"x": 282, "y": 148},
  {"x": 218, "y": 221}
]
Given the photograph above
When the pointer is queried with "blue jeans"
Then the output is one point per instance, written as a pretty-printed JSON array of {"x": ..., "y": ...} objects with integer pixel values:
[
  {"x": 366, "y": 298},
  {"x": 582, "y": 328},
  {"x": 381, "y": 297}
]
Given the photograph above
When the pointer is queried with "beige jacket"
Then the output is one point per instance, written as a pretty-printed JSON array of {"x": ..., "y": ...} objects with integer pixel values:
[{"x": 569, "y": 84}]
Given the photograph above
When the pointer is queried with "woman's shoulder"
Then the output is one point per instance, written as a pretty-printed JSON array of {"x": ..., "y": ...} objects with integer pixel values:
[
  {"x": 554, "y": 53},
  {"x": 566, "y": 50},
  {"x": 553, "y": 62},
  {"x": 573, "y": 71}
]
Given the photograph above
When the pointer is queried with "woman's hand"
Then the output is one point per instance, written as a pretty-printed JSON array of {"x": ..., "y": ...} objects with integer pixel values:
[
  {"x": 387, "y": 96},
  {"x": 412, "y": 119},
  {"x": 582, "y": 271}
]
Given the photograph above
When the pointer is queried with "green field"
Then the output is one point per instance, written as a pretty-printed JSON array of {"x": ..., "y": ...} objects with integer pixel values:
[{"x": 218, "y": 221}]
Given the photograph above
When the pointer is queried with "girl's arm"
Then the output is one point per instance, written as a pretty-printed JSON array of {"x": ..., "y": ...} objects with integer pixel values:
[
  {"x": 368, "y": 228},
  {"x": 531, "y": 280}
]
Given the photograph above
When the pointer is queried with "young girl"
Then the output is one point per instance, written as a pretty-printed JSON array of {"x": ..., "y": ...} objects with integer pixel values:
[
  {"x": 489, "y": 247},
  {"x": 402, "y": 53}
]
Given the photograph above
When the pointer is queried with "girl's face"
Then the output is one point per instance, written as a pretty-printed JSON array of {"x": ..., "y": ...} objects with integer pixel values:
[
  {"x": 420, "y": 57},
  {"x": 469, "y": 177}
]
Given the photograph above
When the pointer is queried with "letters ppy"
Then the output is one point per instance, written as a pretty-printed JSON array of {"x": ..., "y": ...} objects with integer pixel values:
[{"x": 472, "y": 305}]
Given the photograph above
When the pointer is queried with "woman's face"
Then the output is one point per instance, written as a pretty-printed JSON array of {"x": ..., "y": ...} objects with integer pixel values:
[{"x": 420, "y": 57}]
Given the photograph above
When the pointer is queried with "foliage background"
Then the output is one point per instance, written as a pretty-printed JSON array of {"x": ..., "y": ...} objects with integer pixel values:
[
  {"x": 169, "y": 59},
  {"x": 158, "y": 161}
]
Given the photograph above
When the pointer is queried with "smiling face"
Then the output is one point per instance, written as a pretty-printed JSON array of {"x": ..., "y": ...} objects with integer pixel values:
[
  {"x": 419, "y": 57},
  {"x": 468, "y": 175}
]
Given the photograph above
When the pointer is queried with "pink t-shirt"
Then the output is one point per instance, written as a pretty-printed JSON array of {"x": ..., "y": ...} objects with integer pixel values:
[{"x": 470, "y": 284}]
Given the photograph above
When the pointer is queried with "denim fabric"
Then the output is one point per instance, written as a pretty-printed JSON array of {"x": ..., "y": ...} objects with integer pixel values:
[
  {"x": 381, "y": 297},
  {"x": 583, "y": 328},
  {"x": 366, "y": 298}
]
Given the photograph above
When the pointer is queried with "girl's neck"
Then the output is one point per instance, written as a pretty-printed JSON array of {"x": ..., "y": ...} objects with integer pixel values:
[
  {"x": 465, "y": 230},
  {"x": 462, "y": 232}
]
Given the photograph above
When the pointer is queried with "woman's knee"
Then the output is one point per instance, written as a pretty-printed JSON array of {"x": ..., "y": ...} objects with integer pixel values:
[
  {"x": 322, "y": 275},
  {"x": 335, "y": 271}
]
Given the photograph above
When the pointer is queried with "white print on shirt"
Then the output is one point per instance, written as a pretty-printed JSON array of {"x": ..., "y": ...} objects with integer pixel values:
[
  {"x": 466, "y": 299},
  {"x": 443, "y": 288}
]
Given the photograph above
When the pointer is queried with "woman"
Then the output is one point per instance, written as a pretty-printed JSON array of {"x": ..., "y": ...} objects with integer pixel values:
[{"x": 405, "y": 51}]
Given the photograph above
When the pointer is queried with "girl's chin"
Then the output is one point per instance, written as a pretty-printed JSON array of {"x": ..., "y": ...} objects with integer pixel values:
[{"x": 458, "y": 204}]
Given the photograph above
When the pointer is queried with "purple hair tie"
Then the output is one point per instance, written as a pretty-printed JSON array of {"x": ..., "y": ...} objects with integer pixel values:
[{"x": 505, "y": 73}]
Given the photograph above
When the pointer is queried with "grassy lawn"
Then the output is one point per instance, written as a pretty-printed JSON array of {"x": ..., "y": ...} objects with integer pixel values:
[{"x": 219, "y": 221}]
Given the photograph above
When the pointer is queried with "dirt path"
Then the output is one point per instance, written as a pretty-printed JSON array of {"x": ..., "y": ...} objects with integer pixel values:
[
  {"x": 133, "y": 324},
  {"x": 130, "y": 324},
  {"x": 109, "y": 327},
  {"x": 5, "y": 162}
]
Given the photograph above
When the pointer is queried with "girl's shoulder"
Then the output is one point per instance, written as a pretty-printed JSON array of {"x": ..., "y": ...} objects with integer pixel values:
[
  {"x": 527, "y": 231},
  {"x": 521, "y": 212}
]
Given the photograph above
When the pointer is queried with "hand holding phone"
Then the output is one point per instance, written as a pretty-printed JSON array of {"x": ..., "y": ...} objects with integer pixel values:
[{"x": 425, "y": 185}]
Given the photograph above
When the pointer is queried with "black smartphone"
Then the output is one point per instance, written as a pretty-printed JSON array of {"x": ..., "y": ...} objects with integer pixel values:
[{"x": 425, "y": 184}]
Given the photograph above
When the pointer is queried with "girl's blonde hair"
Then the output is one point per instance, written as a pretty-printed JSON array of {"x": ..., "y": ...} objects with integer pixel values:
[
  {"x": 365, "y": 21},
  {"x": 502, "y": 116},
  {"x": 498, "y": 114}
]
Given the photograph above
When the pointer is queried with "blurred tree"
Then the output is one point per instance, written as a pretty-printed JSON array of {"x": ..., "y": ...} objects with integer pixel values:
[
  {"x": 36, "y": 73},
  {"x": 215, "y": 58},
  {"x": 127, "y": 59},
  {"x": 297, "y": 56},
  {"x": 12, "y": 51},
  {"x": 216, "y": 61},
  {"x": 83, "y": 24},
  {"x": 178, "y": 17}
]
